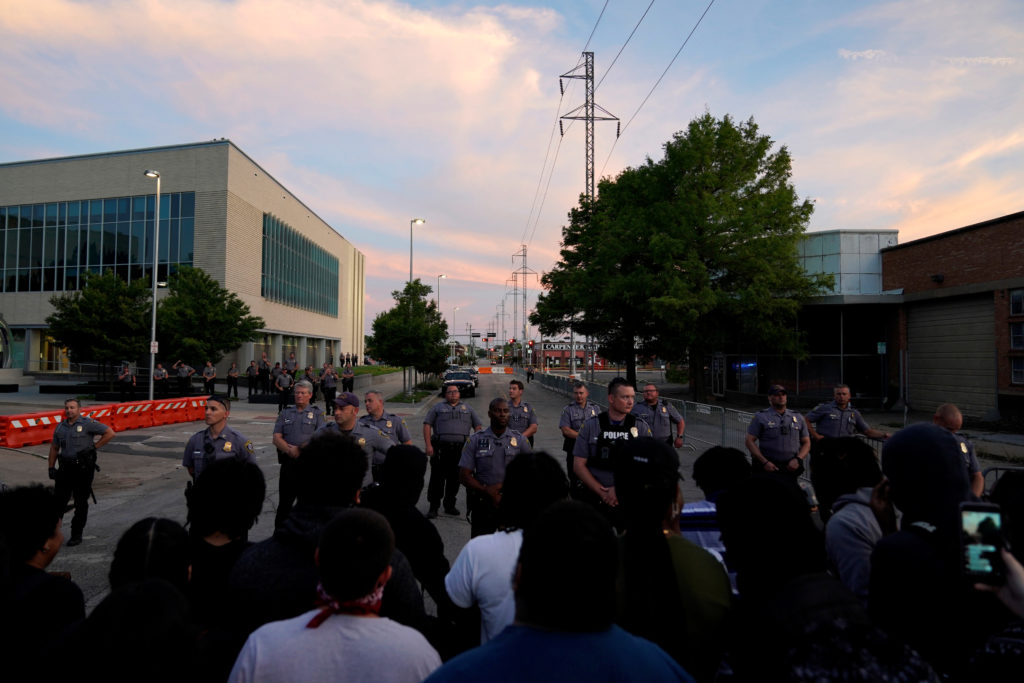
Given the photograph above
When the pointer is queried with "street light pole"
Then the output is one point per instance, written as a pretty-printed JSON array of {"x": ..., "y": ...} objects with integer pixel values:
[
  {"x": 440, "y": 277},
  {"x": 414, "y": 221},
  {"x": 156, "y": 262}
]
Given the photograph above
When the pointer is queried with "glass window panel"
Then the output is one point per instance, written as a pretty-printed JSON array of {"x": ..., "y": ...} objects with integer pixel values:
[
  {"x": 51, "y": 215},
  {"x": 173, "y": 205},
  {"x": 50, "y": 246},
  {"x": 109, "y": 210},
  {"x": 139, "y": 208},
  {"x": 70, "y": 279},
  {"x": 138, "y": 243},
  {"x": 135, "y": 271},
  {"x": 11, "y": 252},
  {"x": 26, "y": 216},
  {"x": 73, "y": 213},
  {"x": 35, "y": 282},
  {"x": 95, "y": 211},
  {"x": 188, "y": 204},
  {"x": 165, "y": 240},
  {"x": 49, "y": 279},
  {"x": 172, "y": 254},
  {"x": 62, "y": 216},
  {"x": 147, "y": 245},
  {"x": 150, "y": 206},
  {"x": 122, "y": 271},
  {"x": 71, "y": 246},
  {"x": 23, "y": 280},
  {"x": 109, "y": 245},
  {"x": 123, "y": 242},
  {"x": 37, "y": 248},
  {"x": 24, "y": 248},
  {"x": 187, "y": 237},
  {"x": 124, "y": 209},
  {"x": 11, "y": 281},
  {"x": 1017, "y": 335},
  {"x": 3, "y": 217},
  {"x": 38, "y": 212},
  {"x": 1017, "y": 302},
  {"x": 83, "y": 247}
]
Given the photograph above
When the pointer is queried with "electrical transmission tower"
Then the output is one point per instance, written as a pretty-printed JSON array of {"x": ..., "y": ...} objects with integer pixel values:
[
  {"x": 520, "y": 274},
  {"x": 587, "y": 115}
]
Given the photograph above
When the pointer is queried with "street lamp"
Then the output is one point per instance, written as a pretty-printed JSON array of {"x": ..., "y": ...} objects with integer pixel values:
[
  {"x": 455, "y": 341},
  {"x": 414, "y": 221},
  {"x": 153, "y": 278},
  {"x": 440, "y": 277}
]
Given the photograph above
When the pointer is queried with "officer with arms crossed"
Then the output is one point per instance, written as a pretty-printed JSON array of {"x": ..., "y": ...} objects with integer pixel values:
[
  {"x": 453, "y": 421},
  {"x": 777, "y": 437},
  {"x": 598, "y": 438},
  {"x": 664, "y": 420},
  {"x": 329, "y": 386},
  {"x": 573, "y": 417},
  {"x": 218, "y": 441},
  {"x": 74, "y": 448},
  {"x": 482, "y": 466},
  {"x": 522, "y": 418},
  {"x": 388, "y": 424},
  {"x": 294, "y": 427}
]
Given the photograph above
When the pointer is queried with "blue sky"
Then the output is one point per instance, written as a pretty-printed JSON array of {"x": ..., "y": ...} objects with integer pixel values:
[{"x": 905, "y": 114}]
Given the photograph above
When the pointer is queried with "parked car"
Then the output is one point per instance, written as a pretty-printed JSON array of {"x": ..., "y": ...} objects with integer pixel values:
[{"x": 460, "y": 379}]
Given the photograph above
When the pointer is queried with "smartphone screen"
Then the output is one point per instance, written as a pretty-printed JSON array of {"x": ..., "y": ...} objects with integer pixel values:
[{"x": 981, "y": 533}]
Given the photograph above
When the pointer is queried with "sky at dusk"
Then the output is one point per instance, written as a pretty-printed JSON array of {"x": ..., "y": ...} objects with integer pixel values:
[{"x": 898, "y": 114}]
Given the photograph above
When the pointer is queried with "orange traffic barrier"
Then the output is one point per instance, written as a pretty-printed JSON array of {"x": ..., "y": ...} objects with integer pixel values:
[{"x": 31, "y": 429}]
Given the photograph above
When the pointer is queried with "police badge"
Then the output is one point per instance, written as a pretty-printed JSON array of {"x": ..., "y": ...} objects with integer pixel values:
[
  {"x": 512, "y": 442},
  {"x": 227, "y": 446},
  {"x": 634, "y": 432}
]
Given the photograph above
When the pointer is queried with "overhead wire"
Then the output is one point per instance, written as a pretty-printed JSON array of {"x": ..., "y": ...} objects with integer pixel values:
[{"x": 656, "y": 83}]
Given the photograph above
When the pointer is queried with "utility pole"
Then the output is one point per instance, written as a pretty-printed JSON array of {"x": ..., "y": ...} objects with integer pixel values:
[
  {"x": 524, "y": 272},
  {"x": 587, "y": 116}
]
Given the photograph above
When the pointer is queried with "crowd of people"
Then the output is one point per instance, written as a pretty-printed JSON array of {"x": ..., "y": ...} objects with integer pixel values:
[{"x": 606, "y": 574}]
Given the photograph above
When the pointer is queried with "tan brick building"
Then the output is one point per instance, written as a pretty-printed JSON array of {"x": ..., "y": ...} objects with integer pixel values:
[{"x": 219, "y": 211}]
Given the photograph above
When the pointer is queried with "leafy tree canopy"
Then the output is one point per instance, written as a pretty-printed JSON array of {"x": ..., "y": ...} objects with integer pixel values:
[
  {"x": 412, "y": 332},
  {"x": 105, "y": 321},
  {"x": 688, "y": 253},
  {"x": 200, "y": 320}
]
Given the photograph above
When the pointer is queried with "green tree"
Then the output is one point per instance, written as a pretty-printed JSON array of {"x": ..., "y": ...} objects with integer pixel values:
[
  {"x": 411, "y": 333},
  {"x": 199, "y": 320},
  {"x": 105, "y": 321},
  {"x": 683, "y": 255}
]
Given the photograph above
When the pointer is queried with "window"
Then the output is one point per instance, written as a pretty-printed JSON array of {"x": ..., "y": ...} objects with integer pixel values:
[
  {"x": 1017, "y": 370},
  {"x": 1017, "y": 336},
  {"x": 1017, "y": 302},
  {"x": 296, "y": 271}
]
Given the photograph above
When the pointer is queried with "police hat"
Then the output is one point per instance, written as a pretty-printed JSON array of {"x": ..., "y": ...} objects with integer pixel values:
[
  {"x": 346, "y": 398},
  {"x": 776, "y": 389}
]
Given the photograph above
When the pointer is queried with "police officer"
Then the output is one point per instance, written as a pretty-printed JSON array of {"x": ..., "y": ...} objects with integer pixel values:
[
  {"x": 482, "y": 466},
  {"x": 218, "y": 441},
  {"x": 126, "y": 381},
  {"x": 949, "y": 417},
  {"x": 329, "y": 385},
  {"x": 294, "y": 427},
  {"x": 252, "y": 376},
  {"x": 369, "y": 438},
  {"x": 264, "y": 370},
  {"x": 573, "y": 417},
  {"x": 233, "y": 379},
  {"x": 209, "y": 377},
  {"x": 348, "y": 378},
  {"x": 310, "y": 376},
  {"x": 662, "y": 417},
  {"x": 74, "y": 449},
  {"x": 283, "y": 384},
  {"x": 160, "y": 380},
  {"x": 452, "y": 422},
  {"x": 592, "y": 453},
  {"x": 838, "y": 419},
  {"x": 291, "y": 365},
  {"x": 388, "y": 424},
  {"x": 185, "y": 372},
  {"x": 777, "y": 437},
  {"x": 522, "y": 418}
]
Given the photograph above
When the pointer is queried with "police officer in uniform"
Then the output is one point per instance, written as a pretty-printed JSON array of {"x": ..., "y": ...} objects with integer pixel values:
[
  {"x": 329, "y": 385},
  {"x": 573, "y": 417},
  {"x": 291, "y": 365},
  {"x": 662, "y": 417},
  {"x": 949, "y": 417},
  {"x": 74, "y": 449},
  {"x": 388, "y": 424},
  {"x": 482, "y": 466},
  {"x": 185, "y": 372},
  {"x": 160, "y": 380},
  {"x": 252, "y": 375},
  {"x": 283, "y": 384},
  {"x": 233, "y": 380},
  {"x": 522, "y": 417},
  {"x": 126, "y": 381},
  {"x": 209, "y": 377},
  {"x": 348, "y": 378},
  {"x": 452, "y": 422},
  {"x": 218, "y": 441},
  {"x": 294, "y": 427},
  {"x": 838, "y": 419},
  {"x": 777, "y": 438},
  {"x": 264, "y": 370},
  {"x": 597, "y": 440},
  {"x": 346, "y": 423}
]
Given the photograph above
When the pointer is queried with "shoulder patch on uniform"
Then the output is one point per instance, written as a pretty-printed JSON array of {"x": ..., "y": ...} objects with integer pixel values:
[{"x": 248, "y": 447}]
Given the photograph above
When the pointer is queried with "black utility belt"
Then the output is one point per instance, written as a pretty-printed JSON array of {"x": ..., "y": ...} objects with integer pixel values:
[{"x": 460, "y": 439}]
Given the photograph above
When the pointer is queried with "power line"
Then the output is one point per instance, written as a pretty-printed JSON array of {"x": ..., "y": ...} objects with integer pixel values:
[
  {"x": 628, "y": 38},
  {"x": 656, "y": 83}
]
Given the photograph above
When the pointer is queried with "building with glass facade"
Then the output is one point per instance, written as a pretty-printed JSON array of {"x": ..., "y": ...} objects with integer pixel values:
[{"x": 219, "y": 211}]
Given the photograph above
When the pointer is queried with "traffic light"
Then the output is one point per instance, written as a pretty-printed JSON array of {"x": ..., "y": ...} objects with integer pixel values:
[
  {"x": 531, "y": 343},
  {"x": 512, "y": 341}
]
